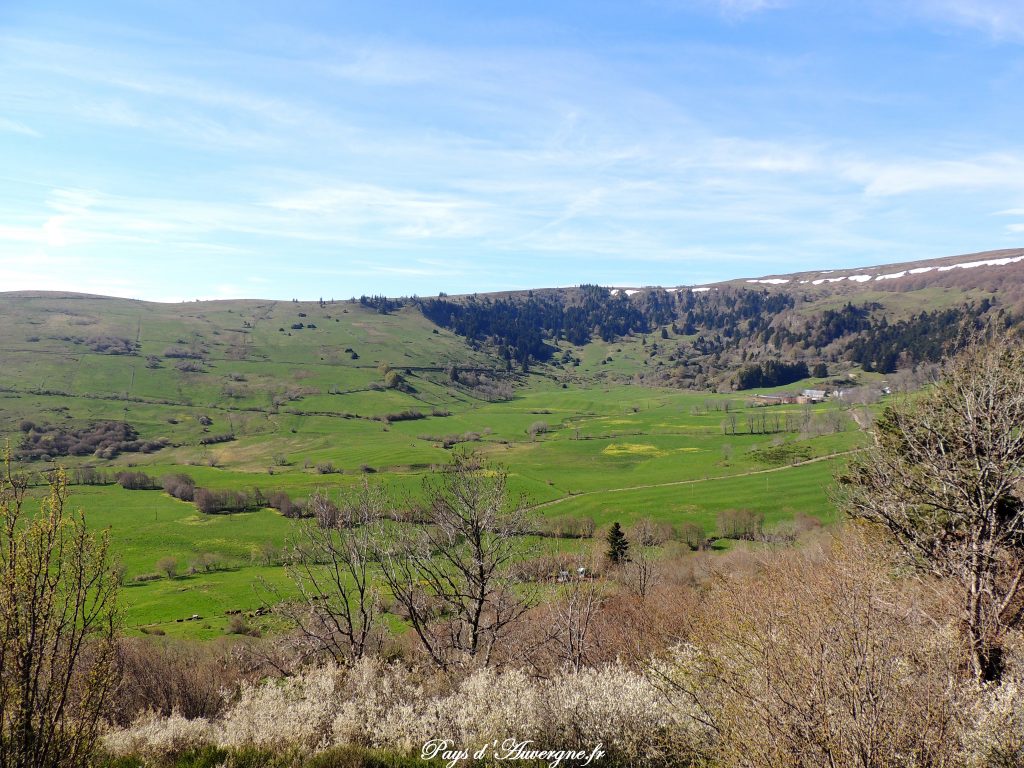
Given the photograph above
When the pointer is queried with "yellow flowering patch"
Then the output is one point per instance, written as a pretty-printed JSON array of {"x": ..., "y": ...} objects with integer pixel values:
[{"x": 633, "y": 449}]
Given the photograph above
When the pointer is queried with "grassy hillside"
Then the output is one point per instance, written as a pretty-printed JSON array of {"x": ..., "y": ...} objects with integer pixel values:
[{"x": 301, "y": 396}]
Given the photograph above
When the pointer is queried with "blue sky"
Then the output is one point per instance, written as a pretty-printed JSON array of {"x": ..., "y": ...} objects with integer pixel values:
[{"x": 171, "y": 149}]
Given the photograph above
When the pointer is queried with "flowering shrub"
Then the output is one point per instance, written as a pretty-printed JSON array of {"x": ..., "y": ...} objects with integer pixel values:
[
  {"x": 392, "y": 707},
  {"x": 297, "y": 711},
  {"x": 995, "y": 732},
  {"x": 152, "y": 737}
]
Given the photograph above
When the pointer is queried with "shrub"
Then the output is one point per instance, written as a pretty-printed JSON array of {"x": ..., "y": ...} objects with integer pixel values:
[
  {"x": 648, "y": 533},
  {"x": 538, "y": 428},
  {"x": 386, "y": 706},
  {"x": 214, "y": 439},
  {"x": 210, "y": 501},
  {"x": 136, "y": 481},
  {"x": 175, "y": 677},
  {"x": 740, "y": 524},
  {"x": 207, "y": 562},
  {"x": 156, "y": 738},
  {"x": 693, "y": 535},
  {"x": 180, "y": 486},
  {"x": 90, "y": 476},
  {"x": 995, "y": 733},
  {"x": 409, "y": 414},
  {"x": 238, "y": 625},
  {"x": 283, "y": 503},
  {"x": 818, "y": 658},
  {"x": 182, "y": 353},
  {"x": 567, "y": 527},
  {"x": 167, "y": 566},
  {"x": 112, "y": 345},
  {"x": 105, "y": 439},
  {"x": 297, "y": 711}
]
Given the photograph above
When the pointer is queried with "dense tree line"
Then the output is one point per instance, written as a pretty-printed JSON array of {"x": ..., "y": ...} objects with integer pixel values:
[
  {"x": 382, "y": 304},
  {"x": 522, "y": 327},
  {"x": 717, "y": 330},
  {"x": 771, "y": 373},
  {"x": 926, "y": 337}
]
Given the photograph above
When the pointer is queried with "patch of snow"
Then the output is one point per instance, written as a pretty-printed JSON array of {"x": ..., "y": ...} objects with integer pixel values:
[
  {"x": 671, "y": 290},
  {"x": 859, "y": 278},
  {"x": 891, "y": 276},
  {"x": 983, "y": 263},
  {"x": 615, "y": 291},
  {"x": 770, "y": 281},
  {"x": 630, "y": 292},
  {"x": 921, "y": 270},
  {"x": 700, "y": 290}
]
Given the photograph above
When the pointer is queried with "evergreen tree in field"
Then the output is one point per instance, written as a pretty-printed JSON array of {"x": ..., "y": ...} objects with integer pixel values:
[{"x": 618, "y": 546}]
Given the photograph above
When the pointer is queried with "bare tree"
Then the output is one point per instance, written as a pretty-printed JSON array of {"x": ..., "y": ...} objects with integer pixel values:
[
  {"x": 817, "y": 657},
  {"x": 571, "y": 617},
  {"x": 944, "y": 477},
  {"x": 331, "y": 565},
  {"x": 640, "y": 574},
  {"x": 453, "y": 577},
  {"x": 58, "y": 622}
]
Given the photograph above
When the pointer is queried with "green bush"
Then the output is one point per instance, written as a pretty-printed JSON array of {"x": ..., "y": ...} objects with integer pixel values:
[{"x": 360, "y": 757}]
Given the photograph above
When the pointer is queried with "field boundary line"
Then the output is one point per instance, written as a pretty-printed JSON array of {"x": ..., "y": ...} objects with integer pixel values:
[{"x": 693, "y": 481}]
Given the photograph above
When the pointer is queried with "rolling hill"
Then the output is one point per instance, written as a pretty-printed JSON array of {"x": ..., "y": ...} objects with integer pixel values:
[{"x": 604, "y": 403}]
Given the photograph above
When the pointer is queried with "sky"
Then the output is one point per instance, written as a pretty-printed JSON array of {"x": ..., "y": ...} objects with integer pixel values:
[{"x": 171, "y": 150}]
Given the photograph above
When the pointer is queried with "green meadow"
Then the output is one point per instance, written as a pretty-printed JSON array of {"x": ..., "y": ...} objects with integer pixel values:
[{"x": 311, "y": 408}]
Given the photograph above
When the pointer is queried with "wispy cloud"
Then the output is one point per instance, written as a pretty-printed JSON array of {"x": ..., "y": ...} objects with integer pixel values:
[
  {"x": 415, "y": 163},
  {"x": 1002, "y": 19},
  {"x": 13, "y": 126},
  {"x": 901, "y": 177},
  {"x": 733, "y": 9}
]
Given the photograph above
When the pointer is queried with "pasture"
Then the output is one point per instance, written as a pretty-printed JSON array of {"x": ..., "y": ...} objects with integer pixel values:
[{"x": 296, "y": 412}]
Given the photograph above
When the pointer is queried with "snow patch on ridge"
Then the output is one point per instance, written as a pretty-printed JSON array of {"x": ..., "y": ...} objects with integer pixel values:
[{"x": 983, "y": 263}]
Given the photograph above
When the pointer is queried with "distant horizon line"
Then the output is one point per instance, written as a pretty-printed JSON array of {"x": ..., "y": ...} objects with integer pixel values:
[{"x": 772, "y": 278}]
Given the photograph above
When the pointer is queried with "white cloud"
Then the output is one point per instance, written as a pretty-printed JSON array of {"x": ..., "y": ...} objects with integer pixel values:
[
  {"x": 13, "y": 126},
  {"x": 1002, "y": 19},
  {"x": 408, "y": 214},
  {"x": 903, "y": 177},
  {"x": 736, "y": 9},
  {"x": 745, "y": 7}
]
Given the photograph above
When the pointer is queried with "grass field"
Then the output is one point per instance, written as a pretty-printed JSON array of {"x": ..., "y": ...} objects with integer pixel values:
[{"x": 577, "y": 441}]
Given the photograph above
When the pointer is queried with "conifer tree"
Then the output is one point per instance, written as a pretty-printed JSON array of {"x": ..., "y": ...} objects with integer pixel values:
[{"x": 618, "y": 545}]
